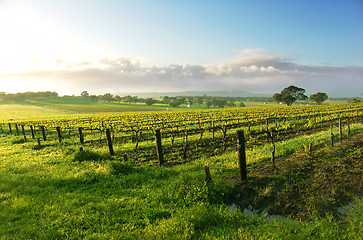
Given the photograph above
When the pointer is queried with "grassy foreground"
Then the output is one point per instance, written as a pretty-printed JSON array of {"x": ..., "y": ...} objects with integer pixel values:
[{"x": 58, "y": 193}]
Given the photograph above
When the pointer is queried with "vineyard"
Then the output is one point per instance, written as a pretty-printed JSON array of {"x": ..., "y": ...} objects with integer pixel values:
[
  {"x": 186, "y": 135},
  {"x": 98, "y": 176}
]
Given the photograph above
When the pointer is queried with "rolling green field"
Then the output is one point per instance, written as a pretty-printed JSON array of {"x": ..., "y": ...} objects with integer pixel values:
[
  {"x": 56, "y": 191},
  {"x": 70, "y": 106}
]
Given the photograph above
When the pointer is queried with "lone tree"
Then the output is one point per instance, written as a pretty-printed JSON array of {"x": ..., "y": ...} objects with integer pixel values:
[
  {"x": 85, "y": 94},
  {"x": 290, "y": 95},
  {"x": 319, "y": 97},
  {"x": 149, "y": 101}
]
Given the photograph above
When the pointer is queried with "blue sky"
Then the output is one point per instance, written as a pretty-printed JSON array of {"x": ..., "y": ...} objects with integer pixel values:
[{"x": 139, "y": 46}]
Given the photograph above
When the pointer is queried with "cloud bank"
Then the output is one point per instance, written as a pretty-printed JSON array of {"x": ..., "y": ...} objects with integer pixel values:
[{"x": 252, "y": 70}]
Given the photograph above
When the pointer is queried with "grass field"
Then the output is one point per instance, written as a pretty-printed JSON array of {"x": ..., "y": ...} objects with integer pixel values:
[
  {"x": 70, "y": 106},
  {"x": 20, "y": 112},
  {"x": 57, "y": 191}
]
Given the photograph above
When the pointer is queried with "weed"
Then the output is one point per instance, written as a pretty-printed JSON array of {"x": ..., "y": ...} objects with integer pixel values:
[
  {"x": 120, "y": 168},
  {"x": 88, "y": 156}
]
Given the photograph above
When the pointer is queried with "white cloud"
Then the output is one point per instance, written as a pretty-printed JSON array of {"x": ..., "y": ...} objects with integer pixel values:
[{"x": 252, "y": 70}]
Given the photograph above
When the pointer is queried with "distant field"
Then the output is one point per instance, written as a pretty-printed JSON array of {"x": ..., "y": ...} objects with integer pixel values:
[
  {"x": 107, "y": 108},
  {"x": 69, "y": 106},
  {"x": 19, "y": 112}
]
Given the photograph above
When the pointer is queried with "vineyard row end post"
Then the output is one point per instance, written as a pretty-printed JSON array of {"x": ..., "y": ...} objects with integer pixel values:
[
  {"x": 241, "y": 155},
  {"x": 109, "y": 141},
  {"x": 159, "y": 149}
]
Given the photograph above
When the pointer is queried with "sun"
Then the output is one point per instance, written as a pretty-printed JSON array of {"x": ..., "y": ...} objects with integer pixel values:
[{"x": 29, "y": 40}]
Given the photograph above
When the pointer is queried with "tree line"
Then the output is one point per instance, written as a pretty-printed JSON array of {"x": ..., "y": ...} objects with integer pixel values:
[
  {"x": 287, "y": 96},
  {"x": 20, "y": 97}
]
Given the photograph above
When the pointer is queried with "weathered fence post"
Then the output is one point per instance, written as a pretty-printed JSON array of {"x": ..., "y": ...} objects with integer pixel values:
[
  {"x": 331, "y": 133},
  {"x": 348, "y": 133},
  {"x": 340, "y": 130},
  {"x": 159, "y": 149},
  {"x": 43, "y": 133},
  {"x": 10, "y": 128},
  {"x": 23, "y": 131},
  {"x": 81, "y": 138},
  {"x": 109, "y": 141},
  {"x": 267, "y": 128},
  {"x": 212, "y": 129},
  {"x": 241, "y": 155},
  {"x": 32, "y": 131},
  {"x": 59, "y": 132},
  {"x": 273, "y": 149},
  {"x": 207, "y": 174},
  {"x": 186, "y": 133},
  {"x": 17, "y": 129}
]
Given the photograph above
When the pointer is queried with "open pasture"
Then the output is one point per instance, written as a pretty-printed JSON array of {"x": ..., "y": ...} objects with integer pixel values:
[{"x": 54, "y": 190}]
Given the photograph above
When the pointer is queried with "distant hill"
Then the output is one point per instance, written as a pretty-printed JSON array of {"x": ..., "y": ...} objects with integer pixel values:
[{"x": 237, "y": 93}]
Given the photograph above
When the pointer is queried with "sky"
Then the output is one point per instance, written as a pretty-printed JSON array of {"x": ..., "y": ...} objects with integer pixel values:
[{"x": 109, "y": 46}]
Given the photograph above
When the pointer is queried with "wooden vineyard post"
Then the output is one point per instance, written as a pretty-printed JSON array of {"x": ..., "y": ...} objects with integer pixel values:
[
  {"x": 340, "y": 130},
  {"x": 212, "y": 129},
  {"x": 273, "y": 149},
  {"x": 185, "y": 144},
  {"x": 331, "y": 133},
  {"x": 32, "y": 131},
  {"x": 43, "y": 133},
  {"x": 159, "y": 149},
  {"x": 81, "y": 138},
  {"x": 348, "y": 133},
  {"x": 267, "y": 128},
  {"x": 23, "y": 131},
  {"x": 17, "y": 129},
  {"x": 109, "y": 141},
  {"x": 241, "y": 155},
  {"x": 59, "y": 132},
  {"x": 10, "y": 128},
  {"x": 207, "y": 174}
]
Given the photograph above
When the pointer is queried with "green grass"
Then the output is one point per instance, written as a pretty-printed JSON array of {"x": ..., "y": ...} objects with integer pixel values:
[
  {"x": 59, "y": 193},
  {"x": 71, "y": 106},
  {"x": 22, "y": 112}
]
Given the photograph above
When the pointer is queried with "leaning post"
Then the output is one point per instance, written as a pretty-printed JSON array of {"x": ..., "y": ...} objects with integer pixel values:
[
  {"x": 59, "y": 132},
  {"x": 241, "y": 155},
  {"x": 109, "y": 141},
  {"x": 159, "y": 150}
]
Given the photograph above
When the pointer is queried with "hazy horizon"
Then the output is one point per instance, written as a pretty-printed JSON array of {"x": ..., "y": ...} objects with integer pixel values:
[{"x": 174, "y": 46}]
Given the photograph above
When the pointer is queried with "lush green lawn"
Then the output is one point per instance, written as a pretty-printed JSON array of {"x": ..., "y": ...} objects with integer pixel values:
[{"x": 58, "y": 193}]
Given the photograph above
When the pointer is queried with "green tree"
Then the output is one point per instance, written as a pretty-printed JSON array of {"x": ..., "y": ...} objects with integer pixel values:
[
  {"x": 117, "y": 98},
  {"x": 84, "y": 94},
  {"x": 108, "y": 97},
  {"x": 208, "y": 102},
  {"x": 149, "y": 101},
  {"x": 198, "y": 101},
  {"x": 93, "y": 98},
  {"x": 219, "y": 102},
  {"x": 319, "y": 97},
  {"x": 241, "y": 104},
  {"x": 290, "y": 95}
]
